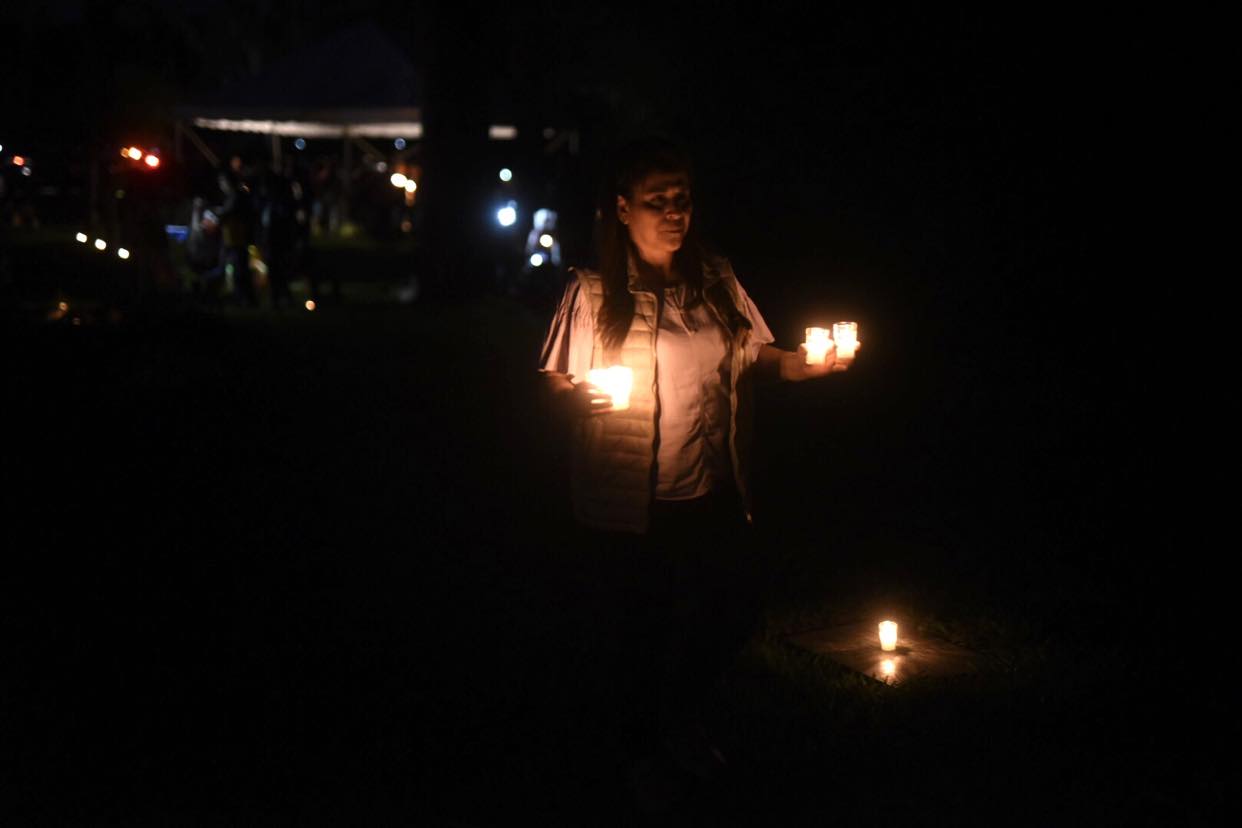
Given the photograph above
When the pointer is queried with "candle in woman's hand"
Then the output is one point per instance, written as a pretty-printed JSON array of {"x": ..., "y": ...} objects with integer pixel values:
[
  {"x": 888, "y": 636},
  {"x": 846, "y": 336},
  {"x": 817, "y": 346},
  {"x": 616, "y": 381}
]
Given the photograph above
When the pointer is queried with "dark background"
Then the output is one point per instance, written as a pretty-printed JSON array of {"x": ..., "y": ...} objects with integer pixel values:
[{"x": 262, "y": 564}]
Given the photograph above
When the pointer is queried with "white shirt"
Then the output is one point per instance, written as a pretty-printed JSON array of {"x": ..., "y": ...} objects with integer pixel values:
[{"x": 692, "y": 375}]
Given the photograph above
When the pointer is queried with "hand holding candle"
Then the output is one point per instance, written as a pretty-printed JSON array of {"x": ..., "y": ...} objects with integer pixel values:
[
  {"x": 817, "y": 346},
  {"x": 846, "y": 336},
  {"x": 616, "y": 381}
]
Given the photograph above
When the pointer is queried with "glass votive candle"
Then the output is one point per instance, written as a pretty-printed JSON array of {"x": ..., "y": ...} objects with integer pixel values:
[
  {"x": 616, "y": 381},
  {"x": 888, "y": 636},
  {"x": 846, "y": 336},
  {"x": 817, "y": 345}
]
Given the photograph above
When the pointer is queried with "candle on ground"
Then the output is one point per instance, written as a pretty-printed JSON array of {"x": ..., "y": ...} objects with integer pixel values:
[{"x": 888, "y": 636}]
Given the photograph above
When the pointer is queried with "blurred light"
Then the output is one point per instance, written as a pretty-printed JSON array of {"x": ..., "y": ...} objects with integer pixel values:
[
  {"x": 506, "y": 174},
  {"x": 536, "y": 259},
  {"x": 406, "y": 225},
  {"x": 63, "y": 306},
  {"x": 100, "y": 244},
  {"x": 381, "y": 166},
  {"x": 177, "y": 232},
  {"x": 545, "y": 240},
  {"x": 119, "y": 194},
  {"x": 398, "y": 180},
  {"x": 77, "y": 320},
  {"x": 26, "y": 171},
  {"x": 313, "y": 129},
  {"x": 310, "y": 304},
  {"x": 81, "y": 237},
  {"x": 502, "y": 132},
  {"x": 399, "y": 143},
  {"x": 122, "y": 252},
  {"x": 410, "y": 185},
  {"x": 506, "y": 215},
  {"x": 134, "y": 153},
  {"x": 18, "y": 160},
  {"x": 300, "y": 143},
  {"x": 887, "y": 668},
  {"x": 549, "y": 133},
  {"x": 1, "y": 147},
  {"x": 152, "y": 161}
]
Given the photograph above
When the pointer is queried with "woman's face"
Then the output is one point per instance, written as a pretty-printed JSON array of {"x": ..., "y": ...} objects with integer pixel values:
[{"x": 657, "y": 214}]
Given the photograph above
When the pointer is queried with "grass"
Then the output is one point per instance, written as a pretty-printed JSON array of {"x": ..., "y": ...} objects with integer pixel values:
[{"x": 298, "y": 565}]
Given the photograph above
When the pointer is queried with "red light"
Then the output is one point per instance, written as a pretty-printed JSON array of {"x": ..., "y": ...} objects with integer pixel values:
[
  {"x": 19, "y": 161},
  {"x": 152, "y": 161}
]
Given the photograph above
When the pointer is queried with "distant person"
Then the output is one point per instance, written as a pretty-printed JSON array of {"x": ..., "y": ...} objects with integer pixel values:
[
  {"x": 541, "y": 267},
  {"x": 661, "y": 489},
  {"x": 299, "y": 189},
  {"x": 203, "y": 238},
  {"x": 543, "y": 229},
  {"x": 236, "y": 218},
  {"x": 277, "y": 230}
]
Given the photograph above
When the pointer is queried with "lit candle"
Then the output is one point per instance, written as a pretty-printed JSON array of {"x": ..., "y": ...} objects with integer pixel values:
[
  {"x": 615, "y": 381},
  {"x": 846, "y": 336},
  {"x": 817, "y": 346},
  {"x": 888, "y": 635}
]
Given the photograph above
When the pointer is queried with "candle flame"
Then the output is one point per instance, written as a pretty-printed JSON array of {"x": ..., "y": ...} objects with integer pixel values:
[
  {"x": 616, "y": 381},
  {"x": 888, "y": 636},
  {"x": 817, "y": 346}
]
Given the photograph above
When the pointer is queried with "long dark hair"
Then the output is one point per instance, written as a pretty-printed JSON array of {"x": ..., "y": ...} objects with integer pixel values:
[{"x": 633, "y": 162}]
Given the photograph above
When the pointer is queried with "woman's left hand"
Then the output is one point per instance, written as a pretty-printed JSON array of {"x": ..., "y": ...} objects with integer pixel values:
[{"x": 795, "y": 369}]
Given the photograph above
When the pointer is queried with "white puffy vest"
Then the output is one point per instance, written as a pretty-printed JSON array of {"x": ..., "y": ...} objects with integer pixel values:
[{"x": 613, "y": 455}]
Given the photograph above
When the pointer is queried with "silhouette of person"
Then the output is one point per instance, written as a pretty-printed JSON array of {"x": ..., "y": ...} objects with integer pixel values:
[{"x": 236, "y": 217}]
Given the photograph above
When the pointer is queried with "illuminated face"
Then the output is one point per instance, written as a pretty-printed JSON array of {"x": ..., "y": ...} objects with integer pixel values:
[{"x": 658, "y": 214}]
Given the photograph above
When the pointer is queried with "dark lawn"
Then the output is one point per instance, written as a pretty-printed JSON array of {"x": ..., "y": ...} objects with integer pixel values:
[{"x": 309, "y": 568}]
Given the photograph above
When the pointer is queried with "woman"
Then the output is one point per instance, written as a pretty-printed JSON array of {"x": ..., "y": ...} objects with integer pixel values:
[{"x": 665, "y": 481}]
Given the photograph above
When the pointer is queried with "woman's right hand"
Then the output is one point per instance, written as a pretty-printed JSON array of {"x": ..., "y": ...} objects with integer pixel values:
[
  {"x": 587, "y": 400},
  {"x": 571, "y": 399}
]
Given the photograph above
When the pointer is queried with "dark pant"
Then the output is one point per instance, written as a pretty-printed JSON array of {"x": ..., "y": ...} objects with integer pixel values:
[
  {"x": 243, "y": 284},
  {"x": 679, "y": 601},
  {"x": 712, "y": 583}
]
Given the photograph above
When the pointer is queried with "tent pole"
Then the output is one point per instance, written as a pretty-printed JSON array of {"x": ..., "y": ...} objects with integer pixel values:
[
  {"x": 200, "y": 146},
  {"x": 367, "y": 146},
  {"x": 346, "y": 175}
]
